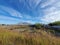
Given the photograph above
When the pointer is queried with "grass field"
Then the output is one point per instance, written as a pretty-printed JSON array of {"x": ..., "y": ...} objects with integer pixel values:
[{"x": 39, "y": 37}]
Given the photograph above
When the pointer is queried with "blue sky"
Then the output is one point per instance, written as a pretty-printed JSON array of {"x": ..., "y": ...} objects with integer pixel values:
[{"x": 31, "y": 11}]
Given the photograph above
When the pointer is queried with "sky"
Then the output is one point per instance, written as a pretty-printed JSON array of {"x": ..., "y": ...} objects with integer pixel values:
[{"x": 31, "y": 11}]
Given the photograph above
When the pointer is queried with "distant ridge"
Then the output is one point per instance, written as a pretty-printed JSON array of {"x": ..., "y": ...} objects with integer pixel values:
[{"x": 24, "y": 23}]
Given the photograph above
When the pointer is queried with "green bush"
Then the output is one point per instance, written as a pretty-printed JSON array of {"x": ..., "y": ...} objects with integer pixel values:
[
  {"x": 38, "y": 25},
  {"x": 56, "y": 23}
]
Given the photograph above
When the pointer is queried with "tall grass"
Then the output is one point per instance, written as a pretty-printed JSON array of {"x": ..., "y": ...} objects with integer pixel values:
[{"x": 8, "y": 37}]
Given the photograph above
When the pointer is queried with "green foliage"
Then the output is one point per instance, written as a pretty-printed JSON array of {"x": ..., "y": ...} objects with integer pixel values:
[
  {"x": 51, "y": 31},
  {"x": 3, "y": 24},
  {"x": 38, "y": 25},
  {"x": 56, "y": 23}
]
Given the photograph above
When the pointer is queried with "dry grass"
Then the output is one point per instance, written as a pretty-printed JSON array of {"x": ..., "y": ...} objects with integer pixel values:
[{"x": 9, "y": 37}]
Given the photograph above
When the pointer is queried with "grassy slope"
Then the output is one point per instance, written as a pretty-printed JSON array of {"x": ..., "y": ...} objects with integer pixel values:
[{"x": 8, "y": 37}]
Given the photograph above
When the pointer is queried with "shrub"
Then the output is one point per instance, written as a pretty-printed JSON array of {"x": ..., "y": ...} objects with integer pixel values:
[
  {"x": 56, "y": 23},
  {"x": 38, "y": 25}
]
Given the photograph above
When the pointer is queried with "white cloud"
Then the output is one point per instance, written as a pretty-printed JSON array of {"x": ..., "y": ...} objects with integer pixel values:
[
  {"x": 52, "y": 13},
  {"x": 11, "y": 11},
  {"x": 49, "y": 10},
  {"x": 32, "y": 4},
  {"x": 15, "y": 13},
  {"x": 29, "y": 21},
  {"x": 36, "y": 2},
  {"x": 48, "y": 2},
  {"x": 8, "y": 18},
  {"x": 51, "y": 17},
  {"x": 57, "y": 5}
]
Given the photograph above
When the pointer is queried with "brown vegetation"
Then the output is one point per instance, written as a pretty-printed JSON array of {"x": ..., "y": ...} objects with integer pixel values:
[{"x": 39, "y": 37}]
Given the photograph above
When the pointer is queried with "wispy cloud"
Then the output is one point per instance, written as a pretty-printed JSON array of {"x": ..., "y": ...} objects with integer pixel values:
[
  {"x": 52, "y": 12},
  {"x": 8, "y": 18},
  {"x": 48, "y": 2},
  {"x": 11, "y": 11},
  {"x": 14, "y": 13},
  {"x": 33, "y": 3},
  {"x": 51, "y": 18},
  {"x": 44, "y": 11}
]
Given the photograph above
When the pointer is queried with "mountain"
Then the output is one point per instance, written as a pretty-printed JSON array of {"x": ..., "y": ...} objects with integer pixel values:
[{"x": 24, "y": 23}]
